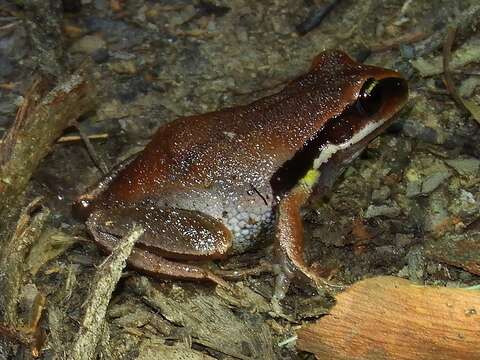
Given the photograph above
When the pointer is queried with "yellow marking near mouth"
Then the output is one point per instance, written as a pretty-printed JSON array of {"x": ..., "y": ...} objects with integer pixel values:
[{"x": 310, "y": 178}]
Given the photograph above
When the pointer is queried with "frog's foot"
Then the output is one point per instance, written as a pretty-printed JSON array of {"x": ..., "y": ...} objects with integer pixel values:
[
  {"x": 237, "y": 274},
  {"x": 156, "y": 266}
]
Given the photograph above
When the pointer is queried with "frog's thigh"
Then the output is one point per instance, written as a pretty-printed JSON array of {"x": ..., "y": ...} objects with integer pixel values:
[
  {"x": 169, "y": 232},
  {"x": 155, "y": 265}
]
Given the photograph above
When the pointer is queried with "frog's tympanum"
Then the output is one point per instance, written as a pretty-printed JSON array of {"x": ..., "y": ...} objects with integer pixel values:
[{"x": 207, "y": 185}]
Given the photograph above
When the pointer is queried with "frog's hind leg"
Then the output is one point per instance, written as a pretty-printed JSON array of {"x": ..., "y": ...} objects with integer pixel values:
[
  {"x": 171, "y": 235},
  {"x": 157, "y": 266}
]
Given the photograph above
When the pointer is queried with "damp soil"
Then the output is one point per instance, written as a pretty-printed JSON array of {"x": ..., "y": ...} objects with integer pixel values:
[{"x": 409, "y": 206}]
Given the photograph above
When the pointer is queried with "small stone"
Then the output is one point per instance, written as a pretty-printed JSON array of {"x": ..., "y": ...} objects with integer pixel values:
[
  {"x": 465, "y": 166},
  {"x": 468, "y": 86},
  {"x": 385, "y": 250},
  {"x": 434, "y": 181},
  {"x": 415, "y": 264},
  {"x": 464, "y": 205},
  {"x": 416, "y": 129},
  {"x": 414, "y": 188},
  {"x": 127, "y": 67},
  {"x": 6, "y": 67},
  {"x": 436, "y": 212},
  {"x": 403, "y": 240},
  {"x": 388, "y": 211},
  {"x": 381, "y": 194},
  {"x": 88, "y": 44},
  {"x": 100, "y": 55}
]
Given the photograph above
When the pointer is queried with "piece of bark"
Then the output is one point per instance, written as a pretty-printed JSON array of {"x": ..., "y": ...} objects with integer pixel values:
[
  {"x": 466, "y": 22},
  {"x": 209, "y": 320},
  {"x": 460, "y": 250},
  {"x": 13, "y": 259},
  {"x": 39, "y": 123},
  {"x": 105, "y": 281},
  {"x": 392, "y": 318}
]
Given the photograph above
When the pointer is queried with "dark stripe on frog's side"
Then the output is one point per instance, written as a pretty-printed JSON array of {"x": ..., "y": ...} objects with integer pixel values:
[{"x": 337, "y": 131}]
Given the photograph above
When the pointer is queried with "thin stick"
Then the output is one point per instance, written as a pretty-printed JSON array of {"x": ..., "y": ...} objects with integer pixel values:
[
  {"x": 99, "y": 163},
  {"x": 395, "y": 43},
  {"x": 447, "y": 54},
  {"x": 469, "y": 107},
  {"x": 316, "y": 18},
  {"x": 72, "y": 138}
]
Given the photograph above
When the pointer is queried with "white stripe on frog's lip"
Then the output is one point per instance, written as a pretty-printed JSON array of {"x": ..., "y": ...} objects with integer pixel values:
[{"x": 330, "y": 149}]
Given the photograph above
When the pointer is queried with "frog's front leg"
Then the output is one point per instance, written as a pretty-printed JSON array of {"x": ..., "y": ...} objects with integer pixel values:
[{"x": 289, "y": 237}]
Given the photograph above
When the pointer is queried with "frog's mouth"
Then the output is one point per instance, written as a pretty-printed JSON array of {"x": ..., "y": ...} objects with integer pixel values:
[{"x": 345, "y": 136}]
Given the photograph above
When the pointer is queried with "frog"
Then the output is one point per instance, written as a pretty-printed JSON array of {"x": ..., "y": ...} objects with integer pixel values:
[{"x": 207, "y": 186}]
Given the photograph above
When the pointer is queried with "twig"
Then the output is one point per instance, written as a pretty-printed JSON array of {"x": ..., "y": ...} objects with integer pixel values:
[
  {"x": 12, "y": 259},
  {"x": 316, "y": 18},
  {"x": 466, "y": 23},
  {"x": 470, "y": 109},
  {"x": 103, "y": 284},
  {"x": 447, "y": 54},
  {"x": 73, "y": 138},
  {"x": 395, "y": 43},
  {"x": 39, "y": 123},
  {"x": 97, "y": 160}
]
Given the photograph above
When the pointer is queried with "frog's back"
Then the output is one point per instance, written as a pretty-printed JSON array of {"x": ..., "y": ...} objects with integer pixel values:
[{"x": 243, "y": 146}]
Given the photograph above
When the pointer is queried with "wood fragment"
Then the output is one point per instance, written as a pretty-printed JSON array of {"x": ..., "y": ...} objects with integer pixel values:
[
  {"x": 40, "y": 121},
  {"x": 74, "y": 138},
  {"x": 316, "y": 18},
  {"x": 97, "y": 160},
  {"x": 13, "y": 256},
  {"x": 209, "y": 319},
  {"x": 466, "y": 23},
  {"x": 397, "y": 42},
  {"x": 459, "y": 250},
  {"x": 392, "y": 318},
  {"x": 12, "y": 334},
  {"x": 103, "y": 284},
  {"x": 13, "y": 264}
]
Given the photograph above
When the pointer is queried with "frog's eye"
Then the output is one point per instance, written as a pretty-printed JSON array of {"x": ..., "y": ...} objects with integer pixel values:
[{"x": 370, "y": 98}]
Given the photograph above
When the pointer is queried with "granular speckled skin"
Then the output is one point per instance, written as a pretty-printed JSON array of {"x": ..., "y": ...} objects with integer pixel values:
[{"x": 220, "y": 165}]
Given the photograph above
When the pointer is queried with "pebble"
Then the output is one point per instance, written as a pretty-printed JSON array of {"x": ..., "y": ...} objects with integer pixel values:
[
  {"x": 88, "y": 44},
  {"x": 388, "y": 211},
  {"x": 465, "y": 166},
  {"x": 433, "y": 181},
  {"x": 381, "y": 194}
]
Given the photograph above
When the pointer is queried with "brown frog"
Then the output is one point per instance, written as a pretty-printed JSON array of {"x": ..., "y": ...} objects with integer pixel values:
[{"x": 207, "y": 185}]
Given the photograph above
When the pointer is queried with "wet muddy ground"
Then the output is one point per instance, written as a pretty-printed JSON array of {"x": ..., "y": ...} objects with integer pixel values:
[{"x": 409, "y": 206}]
